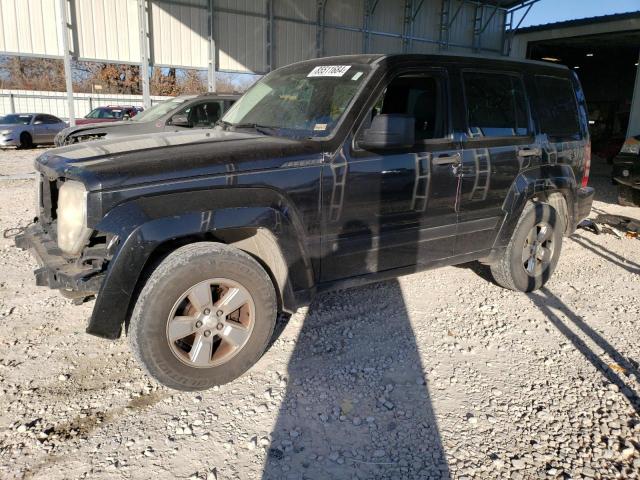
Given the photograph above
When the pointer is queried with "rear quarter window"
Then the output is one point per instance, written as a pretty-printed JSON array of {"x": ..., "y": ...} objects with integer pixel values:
[{"x": 557, "y": 108}]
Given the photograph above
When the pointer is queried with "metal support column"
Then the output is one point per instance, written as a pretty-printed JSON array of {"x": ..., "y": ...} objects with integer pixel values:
[
  {"x": 509, "y": 30},
  {"x": 321, "y": 5},
  {"x": 64, "y": 36},
  {"x": 144, "y": 52},
  {"x": 270, "y": 60},
  {"x": 477, "y": 27},
  {"x": 634, "y": 115},
  {"x": 211, "y": 50},
  {"x": 407, "y": 25}
]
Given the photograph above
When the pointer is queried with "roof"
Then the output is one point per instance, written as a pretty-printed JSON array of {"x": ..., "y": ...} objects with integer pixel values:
[{"x": 580, "y": 22}]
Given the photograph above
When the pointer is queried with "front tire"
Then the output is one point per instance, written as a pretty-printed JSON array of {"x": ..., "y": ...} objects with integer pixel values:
[
  {"x": 533, "y": 251},
  {"x": 204, "y": 317},
  {"x": 26, "y": 141}
]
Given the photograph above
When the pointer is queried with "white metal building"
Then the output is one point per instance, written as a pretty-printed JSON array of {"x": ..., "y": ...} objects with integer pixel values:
[{"x": 249, "y": 35}]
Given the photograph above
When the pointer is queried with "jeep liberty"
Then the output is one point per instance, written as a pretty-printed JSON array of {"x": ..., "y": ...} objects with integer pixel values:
[{"x": 325, "y": 174}]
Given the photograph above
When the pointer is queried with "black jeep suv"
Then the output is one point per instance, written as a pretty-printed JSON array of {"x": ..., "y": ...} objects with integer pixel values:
[{"x": 326, "y": 173}]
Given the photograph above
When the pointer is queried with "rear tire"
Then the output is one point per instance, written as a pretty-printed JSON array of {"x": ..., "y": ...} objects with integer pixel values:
[
  {"x": 179, "y": 332},
  {"x": 533, "y": 251},
  {"x": 25, "y": 141},
  {"x": 627, "y": 196}
]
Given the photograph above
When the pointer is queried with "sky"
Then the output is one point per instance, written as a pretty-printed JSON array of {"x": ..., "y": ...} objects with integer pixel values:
[{"x": 549, "y": 11}]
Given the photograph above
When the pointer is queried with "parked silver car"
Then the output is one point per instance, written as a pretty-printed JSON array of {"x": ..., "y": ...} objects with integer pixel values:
[{"x": 25, "y": 130}]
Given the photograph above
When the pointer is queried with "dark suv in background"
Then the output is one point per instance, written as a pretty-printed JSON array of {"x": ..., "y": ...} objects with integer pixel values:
[
  {"x": 626, "y": 172},
  {"x": 327, "y": 173},
  {"x": 175, "y": 114}
]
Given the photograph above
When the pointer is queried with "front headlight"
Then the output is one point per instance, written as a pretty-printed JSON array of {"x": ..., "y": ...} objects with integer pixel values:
[
  {"x": 633, "y": 148},
  {"x": 72, "y": 218}
]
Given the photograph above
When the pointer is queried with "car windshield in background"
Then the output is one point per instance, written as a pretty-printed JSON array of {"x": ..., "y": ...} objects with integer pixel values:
[
  {"x": 105, "y": 113},
  {"x": 154, "y": 113},
  {"x": 303, "y": 99},
  {"x": 15, "y": 120}
]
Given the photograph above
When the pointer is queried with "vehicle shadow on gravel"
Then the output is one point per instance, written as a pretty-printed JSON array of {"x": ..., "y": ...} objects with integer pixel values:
[
  {"x": 566, "y": 321},
  {"x": 357, "y": 403},
  {"x": 607, "y": 254}
]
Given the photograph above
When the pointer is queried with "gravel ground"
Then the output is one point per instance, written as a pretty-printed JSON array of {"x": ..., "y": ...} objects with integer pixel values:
[{"x": 439, "y": 374}]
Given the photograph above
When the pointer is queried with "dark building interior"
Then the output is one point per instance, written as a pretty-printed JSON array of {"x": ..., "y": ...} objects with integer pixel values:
[{"x": 606, "y": 65}]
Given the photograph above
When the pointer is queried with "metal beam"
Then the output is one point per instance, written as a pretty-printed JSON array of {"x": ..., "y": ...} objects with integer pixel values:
[
  {"x": 211, "y": 50},
  {"x": 321, "y": 9},
  {"x": 407, "y": 25},
  {"x": 144, "y": 52},
  {"x": 64, "y": 36},
  {"x": 634, "y": 116},
  {"x": 365, "y": 25},
  {"x": 477, "y": 27},
  {"x": 270, "y": 45},
  {"x": 510, "y": 33}
]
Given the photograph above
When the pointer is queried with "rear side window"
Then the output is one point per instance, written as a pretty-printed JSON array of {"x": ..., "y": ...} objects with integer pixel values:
[
  {"x": 557, "y": 109},
  {"x": 496, "y": 105}
]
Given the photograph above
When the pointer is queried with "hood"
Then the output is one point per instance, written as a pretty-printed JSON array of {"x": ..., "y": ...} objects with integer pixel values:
[
  {"x": 103, "y": 127},
  {"x": 162, "y": 157}
]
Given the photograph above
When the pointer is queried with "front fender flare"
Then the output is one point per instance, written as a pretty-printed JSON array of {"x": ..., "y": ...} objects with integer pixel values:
[{"x": 138, "y": 244}]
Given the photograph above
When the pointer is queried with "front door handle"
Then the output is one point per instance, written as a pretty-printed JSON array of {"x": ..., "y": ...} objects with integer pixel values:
[
  {"x": 447, "y": 159},
  {"x": 529, "y": 152}
]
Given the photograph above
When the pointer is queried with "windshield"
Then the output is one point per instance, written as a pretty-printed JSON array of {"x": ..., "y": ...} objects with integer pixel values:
[
  {"x": 16, "y": 119},
  {"x": 104, "y": 113},
  {"x": 158, "y": 110},
  {"x": 304, "y": 99}
]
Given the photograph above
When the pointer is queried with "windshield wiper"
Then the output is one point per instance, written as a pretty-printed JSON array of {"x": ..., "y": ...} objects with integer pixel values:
[{"x": 255, "y": 126}]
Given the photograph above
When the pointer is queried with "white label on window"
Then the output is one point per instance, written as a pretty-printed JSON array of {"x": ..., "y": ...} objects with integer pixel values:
[
  {"x": 320, "y": 127},
  {"x": 329, "y": 71},
  {"x": 356, "y": 76}
]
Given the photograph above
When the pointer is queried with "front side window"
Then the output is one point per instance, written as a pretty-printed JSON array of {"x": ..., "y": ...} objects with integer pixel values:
[
  {"x": 419, "y": 95},
  {"x": 557, "y": 109},
  {"x": 496, "y": 105},
  {"x": 303, "y": 100}
]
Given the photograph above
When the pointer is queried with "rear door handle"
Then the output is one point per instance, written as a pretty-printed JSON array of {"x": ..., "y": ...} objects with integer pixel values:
[
  {"x": 447, "y": 159},
  {"x": 529, "y": 152}
]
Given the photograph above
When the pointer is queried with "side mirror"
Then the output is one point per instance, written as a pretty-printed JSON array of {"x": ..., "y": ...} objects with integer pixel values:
[
  {"x": 388, "y": 131},
  {"x": 180, "y": 120}
]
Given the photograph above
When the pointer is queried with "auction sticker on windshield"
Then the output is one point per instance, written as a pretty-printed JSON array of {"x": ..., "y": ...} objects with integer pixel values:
[{"x": 329, "y": 71}]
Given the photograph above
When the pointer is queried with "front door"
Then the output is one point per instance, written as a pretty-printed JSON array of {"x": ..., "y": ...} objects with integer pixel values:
[
  {"x": 384, "y": 210},
  {"x": 499, "y": 143}
]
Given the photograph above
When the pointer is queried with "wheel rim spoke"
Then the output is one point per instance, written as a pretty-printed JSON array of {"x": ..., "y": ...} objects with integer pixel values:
[
  {"x": 201, "y": 350},
  {"x": 200, "y": 296},
  {"x": 531, "y": 265},
  {"x": 543, "y": 233},
  {"x": 232, "y": 300},
  {"x": 235, "y": 335},
  {"x": 544, "y": 254},
  {"x": 181, "y": 327}
]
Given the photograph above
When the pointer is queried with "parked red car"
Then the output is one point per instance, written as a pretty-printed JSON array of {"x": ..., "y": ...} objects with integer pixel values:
[{"x": 110, "y": 113}]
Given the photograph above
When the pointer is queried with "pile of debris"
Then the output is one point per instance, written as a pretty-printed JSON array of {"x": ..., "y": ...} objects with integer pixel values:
[{"x": 617, "y": 225}]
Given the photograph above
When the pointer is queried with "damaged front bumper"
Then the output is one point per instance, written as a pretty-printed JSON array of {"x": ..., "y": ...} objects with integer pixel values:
[{"x": 69, "y": 275}]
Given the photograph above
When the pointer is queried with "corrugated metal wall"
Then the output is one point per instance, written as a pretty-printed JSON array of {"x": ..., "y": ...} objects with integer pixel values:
[
  {"x": 29, "y": 27},
  {"x": 179, "y": 30},
  {"x": 106, "y": 30}
]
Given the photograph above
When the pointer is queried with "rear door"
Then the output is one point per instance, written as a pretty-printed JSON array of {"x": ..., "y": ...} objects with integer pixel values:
[
  {"x": 392, "y": 209},
  {"x": 498, "y": 143}
]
